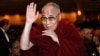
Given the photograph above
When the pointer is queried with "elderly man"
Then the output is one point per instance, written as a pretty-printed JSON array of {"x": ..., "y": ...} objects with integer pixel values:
[{"x": 55, "y": 37}]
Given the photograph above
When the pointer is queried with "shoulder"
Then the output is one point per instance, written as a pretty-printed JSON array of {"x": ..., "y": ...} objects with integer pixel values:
[{"x": 67, "y": 24}]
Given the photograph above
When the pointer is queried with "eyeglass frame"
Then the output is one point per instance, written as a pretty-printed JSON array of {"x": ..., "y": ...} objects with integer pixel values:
[{"x": 51, "y": 18}]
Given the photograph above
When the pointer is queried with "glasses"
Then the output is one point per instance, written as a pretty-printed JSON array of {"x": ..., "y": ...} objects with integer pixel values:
[{"x": 50, "y": 18}]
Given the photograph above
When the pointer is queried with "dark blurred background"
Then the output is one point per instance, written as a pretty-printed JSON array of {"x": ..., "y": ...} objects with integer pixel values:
[
  {"x": 73, "y": 10},
  {"x": 12, "y": 7},
  {"x": 19, "y": 6}
]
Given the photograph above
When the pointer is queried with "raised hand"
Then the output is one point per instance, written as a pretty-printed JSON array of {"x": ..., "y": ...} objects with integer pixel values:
[{"x": 31, "y": 13}]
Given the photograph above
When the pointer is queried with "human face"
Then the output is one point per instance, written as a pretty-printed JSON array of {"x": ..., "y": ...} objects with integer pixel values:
[
  {"x": 15, "y": 50},
  {"x": 6, "y": 27},
  {"x": 89, "y": 34},
  {"x": 50, "y": 18},
  {"x": 97, "y": 32}
]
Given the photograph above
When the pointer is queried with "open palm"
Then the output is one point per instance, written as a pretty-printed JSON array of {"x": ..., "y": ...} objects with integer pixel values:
[{"x": 31, "y": 13}]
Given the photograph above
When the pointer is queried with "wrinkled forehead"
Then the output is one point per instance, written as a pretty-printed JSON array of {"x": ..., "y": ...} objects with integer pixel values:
[{"x": 49, "y": 10}]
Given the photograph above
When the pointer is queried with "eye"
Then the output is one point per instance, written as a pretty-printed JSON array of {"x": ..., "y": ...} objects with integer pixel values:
[
  {"x": 43, "y": 18},
  {"x": 51, "y": 18}
]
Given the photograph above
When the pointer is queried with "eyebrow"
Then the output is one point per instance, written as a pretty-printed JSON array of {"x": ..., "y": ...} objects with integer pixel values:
[{"x": 44, "y": 15}]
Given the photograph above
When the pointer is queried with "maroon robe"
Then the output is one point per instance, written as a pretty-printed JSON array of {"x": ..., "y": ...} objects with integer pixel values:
[{"x": 71, "y": 44}]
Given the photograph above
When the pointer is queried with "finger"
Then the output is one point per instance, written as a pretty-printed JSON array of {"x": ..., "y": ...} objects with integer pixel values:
[
  {"x": 31, "y": 4},
  {"x": 45, "y": 31},
  {"x": 27, "y": 9},
  {"x": 34, "y": 8},
  {"x": 30, "y": 7},
  {"x": 46, "y": 34},
  {"x": 37, "y": 14}
]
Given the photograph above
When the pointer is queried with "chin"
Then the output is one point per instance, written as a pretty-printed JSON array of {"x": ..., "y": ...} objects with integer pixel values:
[{"x": 50, "y": 29}]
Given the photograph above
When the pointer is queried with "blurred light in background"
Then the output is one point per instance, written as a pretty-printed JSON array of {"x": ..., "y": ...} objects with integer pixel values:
[
  {"x": 79, "y": 12},
  {"x": 14, "y": 19},
  {"x": 18, "y": 19},
  {"x": 6, "y": 17},
  {"x": 69, "y": 16}
]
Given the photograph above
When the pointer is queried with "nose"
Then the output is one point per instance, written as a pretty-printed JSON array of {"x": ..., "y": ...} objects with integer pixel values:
[{"x": 47, "y": 21}]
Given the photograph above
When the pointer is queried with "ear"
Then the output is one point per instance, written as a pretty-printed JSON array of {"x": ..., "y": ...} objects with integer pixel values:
[{"x": 59, "y": 17}]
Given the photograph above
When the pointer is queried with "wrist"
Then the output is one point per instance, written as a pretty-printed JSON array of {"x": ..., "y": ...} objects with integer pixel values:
[{"x": 28, "y": 24}]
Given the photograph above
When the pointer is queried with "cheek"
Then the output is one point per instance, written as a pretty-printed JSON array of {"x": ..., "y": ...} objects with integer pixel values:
[
  {"x": 43, "y": 23},
  {"x": 56, "y": 22}
]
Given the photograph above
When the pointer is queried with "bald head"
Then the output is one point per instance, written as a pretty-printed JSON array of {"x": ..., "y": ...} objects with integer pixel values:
[{"x": 52, "y": 4}]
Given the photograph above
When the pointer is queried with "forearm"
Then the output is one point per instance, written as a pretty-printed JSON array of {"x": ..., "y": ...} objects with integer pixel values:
[{"x": 25, "y": 42}]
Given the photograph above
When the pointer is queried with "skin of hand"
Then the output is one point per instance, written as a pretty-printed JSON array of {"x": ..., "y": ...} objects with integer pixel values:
[
  {"x": 51, "y": 34},
  {"x": 31, "y": 16},
  {"x": 31, "y": 13}
]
